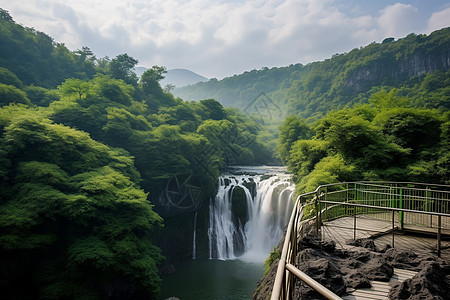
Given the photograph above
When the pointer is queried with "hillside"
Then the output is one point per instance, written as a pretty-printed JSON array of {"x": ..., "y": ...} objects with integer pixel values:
[
  {"x": 412, "y": 64},
  {"x": 37, "y": 59},
  {"x": 90, "y": 164}
]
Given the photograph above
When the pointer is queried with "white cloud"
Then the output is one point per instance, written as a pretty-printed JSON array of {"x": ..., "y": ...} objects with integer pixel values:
[
  {"x": 398, "y": 20},
  {"x": 439, "y": 20},
  {"x": 218, "y": 37}
]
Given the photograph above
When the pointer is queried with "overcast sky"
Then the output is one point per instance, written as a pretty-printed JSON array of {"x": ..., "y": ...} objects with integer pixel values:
[{"x": 219, "y": 38}]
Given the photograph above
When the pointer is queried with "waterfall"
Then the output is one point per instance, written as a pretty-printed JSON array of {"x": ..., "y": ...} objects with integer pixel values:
[
  {"x": 248, "y": 215},
  {"x": 194, "y": 238}
]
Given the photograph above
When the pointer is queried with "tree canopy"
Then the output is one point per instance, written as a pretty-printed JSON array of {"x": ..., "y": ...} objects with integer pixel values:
[{"x": 371, "y": 142}]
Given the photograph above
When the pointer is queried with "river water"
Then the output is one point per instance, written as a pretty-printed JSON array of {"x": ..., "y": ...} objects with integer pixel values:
[
  {"x": 237, "y": 249},
  {"x": 212, "y": 279}
]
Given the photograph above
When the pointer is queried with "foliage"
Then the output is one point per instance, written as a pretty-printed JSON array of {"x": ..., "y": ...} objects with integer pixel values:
[
  {"x": 150, "y": 79},
  {"x": 292, "y": 129},
  {"x": 382, "y": 141},
  {"x": 35, "y": 58},
  {"x": 73, "y": 221},
  {"x": 122, "y": 67},
  {"x": 273, "y": 257},
  {"x": 11, "y": 94},
  {"x": 74, "y": 86},
  {"x": 414, "y": 65}
]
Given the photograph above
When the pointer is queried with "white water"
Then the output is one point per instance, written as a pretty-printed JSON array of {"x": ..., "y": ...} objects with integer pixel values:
[
  {"x": 268, "y": 211},
  {"x": 194, "y": 238}
]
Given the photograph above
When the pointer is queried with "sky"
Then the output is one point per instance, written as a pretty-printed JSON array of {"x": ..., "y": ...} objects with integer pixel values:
[{"x": 220, "y": 38}]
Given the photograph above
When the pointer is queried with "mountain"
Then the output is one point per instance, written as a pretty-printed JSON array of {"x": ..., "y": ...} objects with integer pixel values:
[
  {"x": 139, "y": 71},
  {"x": 36, "y": 59},
  {"x": 181, "y": 78},
  {"x": 416, "y": 65}
]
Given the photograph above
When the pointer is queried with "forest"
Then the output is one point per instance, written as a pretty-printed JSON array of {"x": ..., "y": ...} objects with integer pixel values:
[
  {"x": 89, "y": 150},
  {"x": 384, "y": 140},
  {"x": 86, "y": 149}
]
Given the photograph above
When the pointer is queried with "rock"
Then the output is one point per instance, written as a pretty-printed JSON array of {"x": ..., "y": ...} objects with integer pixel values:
[
  {"x": 356, "y": 280},
  {"x": 377, "y": 269},
  {"x": 310, "y": 241},
  {"x": 402, "y": 259},
  {"x": 364, "y": 243},
  {"x": 429, "y": 283},
  {"x": 342, "y": 270},
  {"x": 264, "y": 286},
  {"x": 361, "y": 255},
  {"x": 324, "y": 270},
  {"x": 385, "y": 248}
]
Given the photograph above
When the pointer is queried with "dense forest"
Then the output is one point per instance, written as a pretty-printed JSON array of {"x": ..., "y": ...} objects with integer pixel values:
[
  {"x": 86, "y": 151},
  {"x": 386, "y": 139},
  {"x": 417, "y": 66},
  {"x": 96, "y": 162}
]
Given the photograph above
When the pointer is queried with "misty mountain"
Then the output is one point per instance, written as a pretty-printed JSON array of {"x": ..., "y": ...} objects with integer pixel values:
[
  {"x": 415, "y": 65},
  {"x": 181, "y": 78}
]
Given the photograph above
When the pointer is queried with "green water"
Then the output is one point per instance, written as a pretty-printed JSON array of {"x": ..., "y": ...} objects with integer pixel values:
[{"x": 204, "y": 279}]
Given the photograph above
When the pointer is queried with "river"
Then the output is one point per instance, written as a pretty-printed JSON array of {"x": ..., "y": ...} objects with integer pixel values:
[
  {"x": 212, "y": 279},
  {"x": 238, "y": 245}
]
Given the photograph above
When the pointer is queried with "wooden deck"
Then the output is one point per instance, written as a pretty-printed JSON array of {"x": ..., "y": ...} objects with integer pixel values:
[{"x": 341, "y": 230}]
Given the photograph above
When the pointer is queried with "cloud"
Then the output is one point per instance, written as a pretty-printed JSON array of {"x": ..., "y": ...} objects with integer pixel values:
[
  {"x": 398, "y": 20},
  {"x": 439, "y": 20},
  {"x": 219, "y": 38}
]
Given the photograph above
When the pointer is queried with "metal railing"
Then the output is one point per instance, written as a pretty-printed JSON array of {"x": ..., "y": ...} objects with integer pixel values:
[{"x": 402, "y": 203}]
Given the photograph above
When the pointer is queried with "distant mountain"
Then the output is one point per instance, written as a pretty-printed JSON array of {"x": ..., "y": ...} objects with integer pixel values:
[
  {"x": 139, "y": 71},
  {"x": 417, "y": 65},
  {"x": 182, "y": 77}
]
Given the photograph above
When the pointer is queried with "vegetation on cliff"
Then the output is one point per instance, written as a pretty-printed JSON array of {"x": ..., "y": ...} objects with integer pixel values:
[
  {"x": 384, "y": 140},
  {"x": 416, "y": 65},
  {"x": 86, "y": 150}
]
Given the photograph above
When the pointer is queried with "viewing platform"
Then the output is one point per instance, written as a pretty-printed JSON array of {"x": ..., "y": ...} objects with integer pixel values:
[
  {"x": 421, "y": 240},
  {"x": 409, "y": 217},
  {"x": 418, "y": 239}
]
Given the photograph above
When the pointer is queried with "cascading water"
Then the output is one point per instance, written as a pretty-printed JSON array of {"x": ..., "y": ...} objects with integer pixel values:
[
  {"x": 248, "y": 215},
  {"x": 194, "y": 238}
]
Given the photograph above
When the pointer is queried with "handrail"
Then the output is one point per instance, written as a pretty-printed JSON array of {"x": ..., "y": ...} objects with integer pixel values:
[
  {"x": 283, "y": 283},
  {"x": 312, "y": 283},
  {"x": 282, "y": 263}
]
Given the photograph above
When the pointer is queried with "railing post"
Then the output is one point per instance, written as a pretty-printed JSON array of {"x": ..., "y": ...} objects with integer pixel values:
[
  {"x": 326, "y": 206},
  {"x": 316, "y": 204},
  {"x": 354, "y": 224},
  {"x": 400, "y": 212},
  {"x": 393, "y": 227},
  {"x": 439, "y": 237},
  {"x": 426, "y": 208}
]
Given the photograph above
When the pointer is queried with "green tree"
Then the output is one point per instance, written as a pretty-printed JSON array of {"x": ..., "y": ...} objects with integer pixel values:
[
  {"x": 214, "y": 108},
  {"x": 150, "y": 80},
  {"x": 292, "y": 130},
  {"x": 9, "y": 78},
  {"x": 74, "y": 223},
  {"x": 11, "y": 94},
  {"x": 122, "y": 67},
  {"x": 73, "y": 86}
]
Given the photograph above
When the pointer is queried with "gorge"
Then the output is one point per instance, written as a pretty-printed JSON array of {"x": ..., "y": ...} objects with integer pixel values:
[{"x": 246, "y": 220}]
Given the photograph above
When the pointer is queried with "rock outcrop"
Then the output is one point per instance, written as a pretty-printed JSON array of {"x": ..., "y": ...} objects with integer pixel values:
[{"x": 344, "y": 270}]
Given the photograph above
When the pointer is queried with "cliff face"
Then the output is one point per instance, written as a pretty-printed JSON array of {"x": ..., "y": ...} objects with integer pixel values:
[{"x": 395, "y": 70}]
